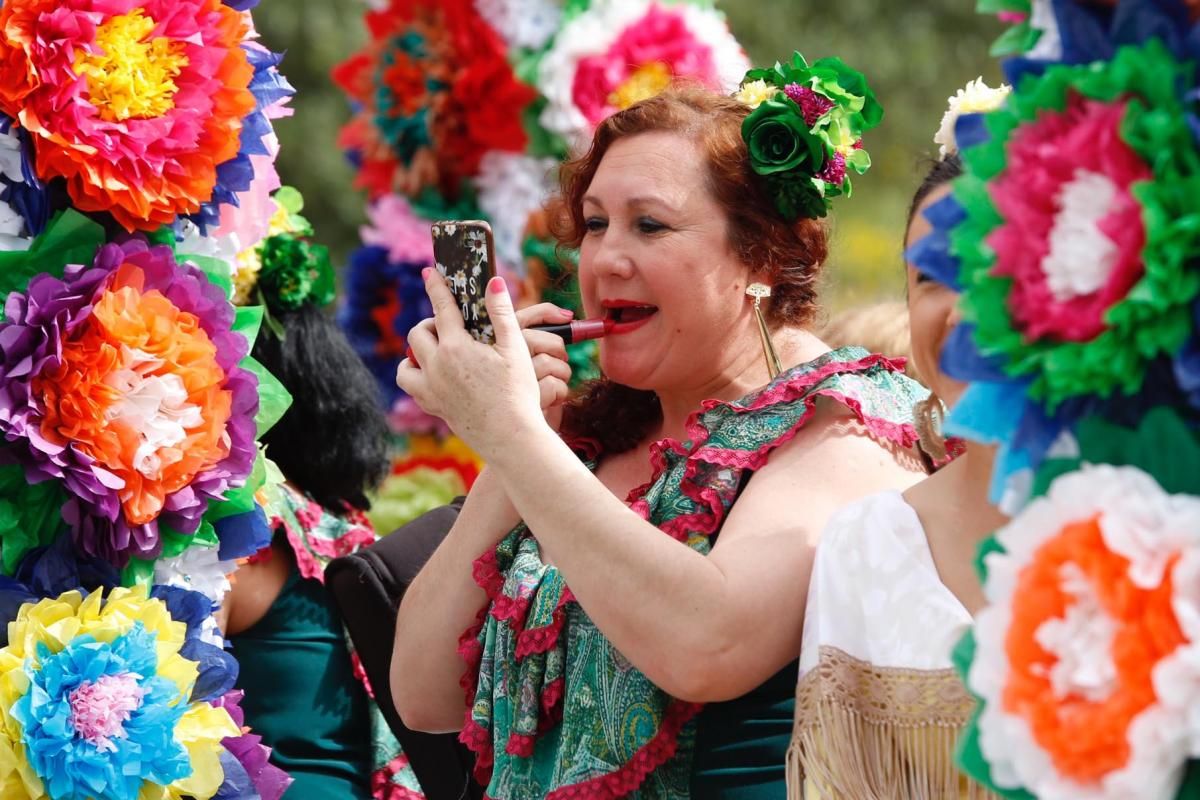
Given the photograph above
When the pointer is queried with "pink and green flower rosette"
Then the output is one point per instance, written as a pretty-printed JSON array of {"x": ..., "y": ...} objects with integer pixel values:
[
  {"x": 1081, "y": 226},
  {"x": 805, "y": 131},
  {"x": 128, "y": 400}
]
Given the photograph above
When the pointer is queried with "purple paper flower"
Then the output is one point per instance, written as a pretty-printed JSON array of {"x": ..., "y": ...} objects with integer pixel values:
[
  {"x": 121, "y": 380},
  {"x": 252, "y": 756}
]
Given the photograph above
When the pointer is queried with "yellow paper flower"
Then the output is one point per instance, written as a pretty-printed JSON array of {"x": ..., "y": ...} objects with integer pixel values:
[
  {"x": 974, "y": 98},
  {"x": 755, "y": 93},
  {"x": 75, "y": 671}
]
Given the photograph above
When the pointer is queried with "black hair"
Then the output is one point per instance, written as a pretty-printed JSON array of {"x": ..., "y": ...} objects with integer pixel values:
[
  {"x": 333, "y": 441},
  {"x": 939, "y": 173}
]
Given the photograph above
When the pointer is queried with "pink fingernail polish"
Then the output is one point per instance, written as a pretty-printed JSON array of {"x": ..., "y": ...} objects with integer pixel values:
[
  {"x": 497, "y": 286},
  {"x": 425, "y": 273}
]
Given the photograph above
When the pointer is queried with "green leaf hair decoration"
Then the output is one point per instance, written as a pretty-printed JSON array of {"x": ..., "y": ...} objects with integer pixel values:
[{"x": 805, "y": 129}]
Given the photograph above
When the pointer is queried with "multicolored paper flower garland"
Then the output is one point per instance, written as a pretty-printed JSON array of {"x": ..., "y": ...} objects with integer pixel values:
[
  {"x": 1072, "y": 236},
  {"x": 129, "y": 405}
]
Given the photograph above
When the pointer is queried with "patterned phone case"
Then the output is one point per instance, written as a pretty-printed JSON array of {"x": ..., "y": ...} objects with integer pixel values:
[{"x": 462, "y": 252}]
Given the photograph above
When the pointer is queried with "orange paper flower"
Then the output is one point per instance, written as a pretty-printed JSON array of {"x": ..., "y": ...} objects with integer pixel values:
[{"x": 134, "y": 103}]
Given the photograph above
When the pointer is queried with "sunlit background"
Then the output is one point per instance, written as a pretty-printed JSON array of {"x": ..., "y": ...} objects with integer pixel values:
[{"x": 915, "y": 55}]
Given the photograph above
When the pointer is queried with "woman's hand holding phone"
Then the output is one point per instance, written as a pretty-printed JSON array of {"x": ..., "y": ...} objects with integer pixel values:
[{"x": 546, "y": 352}]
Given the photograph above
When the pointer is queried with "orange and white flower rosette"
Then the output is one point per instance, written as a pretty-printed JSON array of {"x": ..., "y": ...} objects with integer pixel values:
[{"x": 1087, "y": 658}]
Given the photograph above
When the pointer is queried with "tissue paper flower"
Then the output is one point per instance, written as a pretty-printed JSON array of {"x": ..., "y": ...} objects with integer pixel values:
[
  {"x": 22, "y": 201},
  {"x": 434, "y": 92},
  {"x": 148, "y": 109},
  {"x": 527, "y": 24},
  {"x": 385, "y": 296},
  {"x": 511, "y": 188},
  {"x": 1079, "y": 232},
  {"x": 122, "y": 381},
  {"x": 1086, "y": 658},
  {"x": 197, "y": 569},
  {"x": 108, "y": 697},
  {"x": 974, "y": 98},
  {"x": 618, "y": 52}
]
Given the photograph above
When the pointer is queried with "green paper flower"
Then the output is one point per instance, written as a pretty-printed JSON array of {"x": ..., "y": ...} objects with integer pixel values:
[
  {"x": 780, "y": 140},
  {"x": 1132, "y": 326},
  {"x": 30, "y": 515},
  {"x": 1020, "y": 37},
  {"x": 295, "y": 272}
]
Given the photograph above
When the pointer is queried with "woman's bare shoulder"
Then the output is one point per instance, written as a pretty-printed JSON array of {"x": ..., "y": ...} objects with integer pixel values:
[{"x": 833, "y": 460}]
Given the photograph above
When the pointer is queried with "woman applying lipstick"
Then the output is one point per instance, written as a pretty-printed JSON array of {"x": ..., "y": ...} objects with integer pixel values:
[{"x": 642, "y": 590}]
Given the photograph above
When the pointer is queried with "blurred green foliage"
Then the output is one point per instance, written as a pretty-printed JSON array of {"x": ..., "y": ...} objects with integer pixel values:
[{"x": 915, "y": 55}]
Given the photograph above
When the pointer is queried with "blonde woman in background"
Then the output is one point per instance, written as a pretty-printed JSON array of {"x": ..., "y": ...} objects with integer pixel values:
[{"x": 880, "y": 327}]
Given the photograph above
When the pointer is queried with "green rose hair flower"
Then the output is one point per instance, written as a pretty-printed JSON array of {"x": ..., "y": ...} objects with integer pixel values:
[{"x": 805, "y": 131}]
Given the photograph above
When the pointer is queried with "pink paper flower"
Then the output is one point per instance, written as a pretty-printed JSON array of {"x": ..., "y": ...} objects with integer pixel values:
[
  {"x": 1073, "y": 232},
  {"x": 618, "y": 52}
]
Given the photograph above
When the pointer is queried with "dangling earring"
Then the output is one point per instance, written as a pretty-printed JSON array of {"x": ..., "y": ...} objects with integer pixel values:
[
  {"x": 927, "y": 418},
  {"x": 758, "y": 291}
]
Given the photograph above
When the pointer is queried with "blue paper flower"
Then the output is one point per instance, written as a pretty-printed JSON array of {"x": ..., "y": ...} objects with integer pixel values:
[
  {"x": 98, "y": 722},
  {"x": 384, "y": 301},
  {"x": 269, "y": 88}
]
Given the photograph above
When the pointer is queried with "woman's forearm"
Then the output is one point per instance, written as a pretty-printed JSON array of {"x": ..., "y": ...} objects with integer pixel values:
[
  {"x": 440, "y": 604},
  {"x": 649, "y": 594}
]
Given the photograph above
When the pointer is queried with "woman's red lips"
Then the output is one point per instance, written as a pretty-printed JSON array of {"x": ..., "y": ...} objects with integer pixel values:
[{"x": 627, "y": 316}]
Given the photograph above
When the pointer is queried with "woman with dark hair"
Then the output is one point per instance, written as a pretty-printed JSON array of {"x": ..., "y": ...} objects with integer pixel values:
[
  {"x": 879, "y": 706},
  {"x": 301, "y": 691},
  {"x": 633, "y": 620}
]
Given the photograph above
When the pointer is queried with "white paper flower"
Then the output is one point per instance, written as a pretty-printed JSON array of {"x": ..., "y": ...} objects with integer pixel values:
[
  {"x": 974, "y": 98},
  {"x": 511, "y": 187},
  {"x": 522, "y": 23},
  {"x": 620, "y": 51},
  {"x": 198, "y": 569},
  {"x": 13, "y": 235},
  {"x": 1049, "y": 43},
  {"x": 1087, "y": 656}
]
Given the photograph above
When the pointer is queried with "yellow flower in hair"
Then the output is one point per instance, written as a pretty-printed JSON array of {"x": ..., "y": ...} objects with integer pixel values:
[
  {"x": 755, "y": 93},
  {"x": 974, "y": 98}
]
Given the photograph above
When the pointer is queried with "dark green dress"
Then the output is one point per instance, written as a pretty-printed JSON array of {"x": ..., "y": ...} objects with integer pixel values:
[
  {"x": 741, "y": 744},
  {"x": 302, "y": 696}
]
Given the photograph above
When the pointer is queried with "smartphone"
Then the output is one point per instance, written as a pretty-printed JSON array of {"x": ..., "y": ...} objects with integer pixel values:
[{"x": 464, "y": 254}]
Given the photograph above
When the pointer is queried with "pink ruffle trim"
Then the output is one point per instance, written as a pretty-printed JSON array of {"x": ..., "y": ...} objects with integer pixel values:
[
  {"x": 478, "y": 740},
  {"x": 630, "y": 775},
  {"x": 307, "y": 550},
  {"x": 382, "y": 787}
]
